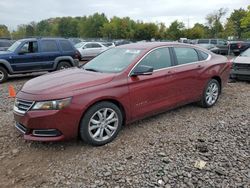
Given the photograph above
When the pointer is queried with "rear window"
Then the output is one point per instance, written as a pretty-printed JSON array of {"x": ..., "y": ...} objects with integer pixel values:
[
  {"x": 66, "y": 45},
  {"x": 203, "y": 41},
  {"x": 213, "y": 41},
  {"x": 203, "y": 55},
  {"x": 49, "y": 46},
  {"x": 186, "y": 55}
]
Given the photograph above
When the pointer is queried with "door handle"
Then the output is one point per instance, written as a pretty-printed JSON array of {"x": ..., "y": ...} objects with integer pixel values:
[
  {"x": 169, "y": 73},
  {"x": 199, "y": 66}
]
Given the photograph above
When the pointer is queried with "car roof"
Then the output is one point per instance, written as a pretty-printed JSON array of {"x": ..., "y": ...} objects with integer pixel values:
[
  {"x": 42, "y": 38},
  {"x": 152, "y": 45}
]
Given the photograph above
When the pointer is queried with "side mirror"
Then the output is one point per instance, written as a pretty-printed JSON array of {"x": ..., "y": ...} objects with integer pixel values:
[{"x": 142, "y": 70}]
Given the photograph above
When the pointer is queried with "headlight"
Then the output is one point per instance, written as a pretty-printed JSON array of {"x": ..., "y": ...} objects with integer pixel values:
[{"x": 52, "y": 105}]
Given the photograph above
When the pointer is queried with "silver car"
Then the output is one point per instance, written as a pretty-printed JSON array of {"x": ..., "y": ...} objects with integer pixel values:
[
  {"x": 88, "y": 50},
  {"x": 241, "y": 66}
]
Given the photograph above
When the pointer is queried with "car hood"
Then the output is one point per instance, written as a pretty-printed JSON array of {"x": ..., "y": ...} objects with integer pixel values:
[
  {"x": 65, "y": 81},
  {"x": 242, "y": 59},
  {"x": 5, "y": 53}
]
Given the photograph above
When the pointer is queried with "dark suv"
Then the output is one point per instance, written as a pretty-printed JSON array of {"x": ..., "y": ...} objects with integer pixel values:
[{"x": 37, "y": 54}]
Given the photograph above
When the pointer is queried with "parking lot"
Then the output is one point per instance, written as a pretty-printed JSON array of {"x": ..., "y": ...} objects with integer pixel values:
[{"x": 158, "y": 151}]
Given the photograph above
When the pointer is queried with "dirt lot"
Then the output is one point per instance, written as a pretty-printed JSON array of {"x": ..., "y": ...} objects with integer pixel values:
[{"x": 159, "y": 151}]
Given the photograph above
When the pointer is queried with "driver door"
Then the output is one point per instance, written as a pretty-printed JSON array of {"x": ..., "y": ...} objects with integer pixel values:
[
  {"x": 27, "y": 57},
  {"x": 155, "y": 92}
]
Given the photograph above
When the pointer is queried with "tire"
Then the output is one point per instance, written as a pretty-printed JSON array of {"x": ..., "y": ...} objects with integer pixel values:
[
  {"x": 210, "y": 94},
  {"x": 3, "y": 75},
  {"x": 96, "y": 129},
  {"x": 63, "y": 65}
]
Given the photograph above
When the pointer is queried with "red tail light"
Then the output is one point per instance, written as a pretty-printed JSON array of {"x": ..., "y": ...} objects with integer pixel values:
[
  {"x": 77, "y": 55},
  {"x": 239, "y": 45}
]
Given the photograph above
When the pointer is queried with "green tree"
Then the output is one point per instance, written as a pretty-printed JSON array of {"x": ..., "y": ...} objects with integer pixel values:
[
  {"x": 214, "y": 22},
  {"x": 67, "y": 27},
  {"x": 43, "y": 28},
  {"x": 161, "y": 33},
  {"x": 92, "y": 25},
  {"x": 245, "y": 24},
  {"x": 20, "y": 32},
  {"x": 175, "y": 30},
  {"x": 235, "y": 21},
  {"x": 145, "y": 31},
  {"x": 198, "y": 31},
  {"x": 119, "y": 28},
  {"x": 4, "y": 32}
]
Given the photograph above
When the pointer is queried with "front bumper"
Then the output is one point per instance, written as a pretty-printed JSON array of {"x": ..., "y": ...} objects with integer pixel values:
[
  {"x": 48, "y": 125},
  {"x": 240, "y": 74}
]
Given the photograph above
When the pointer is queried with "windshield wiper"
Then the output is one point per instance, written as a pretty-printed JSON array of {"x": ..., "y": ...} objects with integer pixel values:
[{"x": 90, "y": 69}]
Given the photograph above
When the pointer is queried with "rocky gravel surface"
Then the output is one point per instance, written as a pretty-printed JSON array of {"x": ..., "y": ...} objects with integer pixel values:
[{"x": 186, "y": 147}]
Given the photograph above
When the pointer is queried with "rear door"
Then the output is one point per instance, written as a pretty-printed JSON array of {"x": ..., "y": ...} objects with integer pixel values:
[
  {"x": 87, "y": 50},
  {"x": 152, "y": 93},
  {"x": 188, "y": 70},
  {"x": 50, "y": 51},
  {"x": 97, "y": 49}
]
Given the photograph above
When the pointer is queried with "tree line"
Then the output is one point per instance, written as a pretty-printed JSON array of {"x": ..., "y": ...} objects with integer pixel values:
[{"x": 237, "y": 25}]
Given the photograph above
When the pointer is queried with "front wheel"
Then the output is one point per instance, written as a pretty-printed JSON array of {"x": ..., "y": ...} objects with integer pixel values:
[
  {"x": 101, "y": 124},
  {"x": 210, "y": 94},
  {"x": 3, "y": 75}
]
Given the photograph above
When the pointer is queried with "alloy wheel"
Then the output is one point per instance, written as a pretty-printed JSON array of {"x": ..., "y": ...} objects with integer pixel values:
[
  {"x": 103, "y": 124},
  {"x": 212, "y": 93},
  {"x": 1, "y": 75}
]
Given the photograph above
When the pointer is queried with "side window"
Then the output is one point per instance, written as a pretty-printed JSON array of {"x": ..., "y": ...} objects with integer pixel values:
[
  {"x": 95, "y": 45},
  {"x": 29, "y": 47},
  {"x": 213, "y": 41},
  {"x": 158, "y": 59},
  {"x": 89, "y": 45},
  {"x": 203, "y": 55},
  {"x": 186, "y": 55},
  {"x": 66, "y": 45},
  {"x": 203, "y": 41},
  {"x": 49, "y": 46},
  {"x": 222, "y": 42}
]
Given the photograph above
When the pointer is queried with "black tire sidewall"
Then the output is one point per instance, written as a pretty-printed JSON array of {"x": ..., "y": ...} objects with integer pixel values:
[
  {"x": 5, "y": 73},
  {"x": 204, "y": 102},
  {"x": 60, "y": 64},
  {"x": 83, "y": 131}
]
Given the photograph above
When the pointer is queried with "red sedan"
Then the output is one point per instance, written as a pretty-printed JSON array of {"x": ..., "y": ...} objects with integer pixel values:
[{"x": 119, "y": 86}]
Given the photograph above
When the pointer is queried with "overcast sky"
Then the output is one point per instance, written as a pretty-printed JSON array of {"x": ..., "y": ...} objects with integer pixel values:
[{"x": 15, "y": 12}]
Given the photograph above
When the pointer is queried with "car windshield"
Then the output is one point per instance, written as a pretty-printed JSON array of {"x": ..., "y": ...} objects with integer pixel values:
[
  {"x": 246, "y": 53},
  {"x": 79, "y": 45},
  {"x": 112, "y": 61},
  {"x": 14, "y": 46}
]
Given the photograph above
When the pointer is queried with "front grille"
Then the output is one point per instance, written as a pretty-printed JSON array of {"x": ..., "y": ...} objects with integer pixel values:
[
  {"x": 241, "y": 66},
  {"x": 21, "y": 128},
  {"x": 22, "y": 106}
]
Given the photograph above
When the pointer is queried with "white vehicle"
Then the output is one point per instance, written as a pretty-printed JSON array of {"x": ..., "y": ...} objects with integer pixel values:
[
  {"x": 241, "y": 66},
  {"x": 89, "y": 50}
]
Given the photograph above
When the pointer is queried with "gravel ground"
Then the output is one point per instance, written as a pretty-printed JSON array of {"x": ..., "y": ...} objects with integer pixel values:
[{"x": 186, "y": 147}]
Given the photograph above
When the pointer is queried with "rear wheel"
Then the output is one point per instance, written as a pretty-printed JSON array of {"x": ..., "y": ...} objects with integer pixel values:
[
  {"x": 3, "y": 75},
  {"x": 63, "y": 65},
  {"x": 101, "y": 124},
  {"x": 210, "y": 94}
]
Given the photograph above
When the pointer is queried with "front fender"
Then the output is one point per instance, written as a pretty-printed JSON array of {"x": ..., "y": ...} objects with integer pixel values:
[{"x": 6, "y": 64}]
